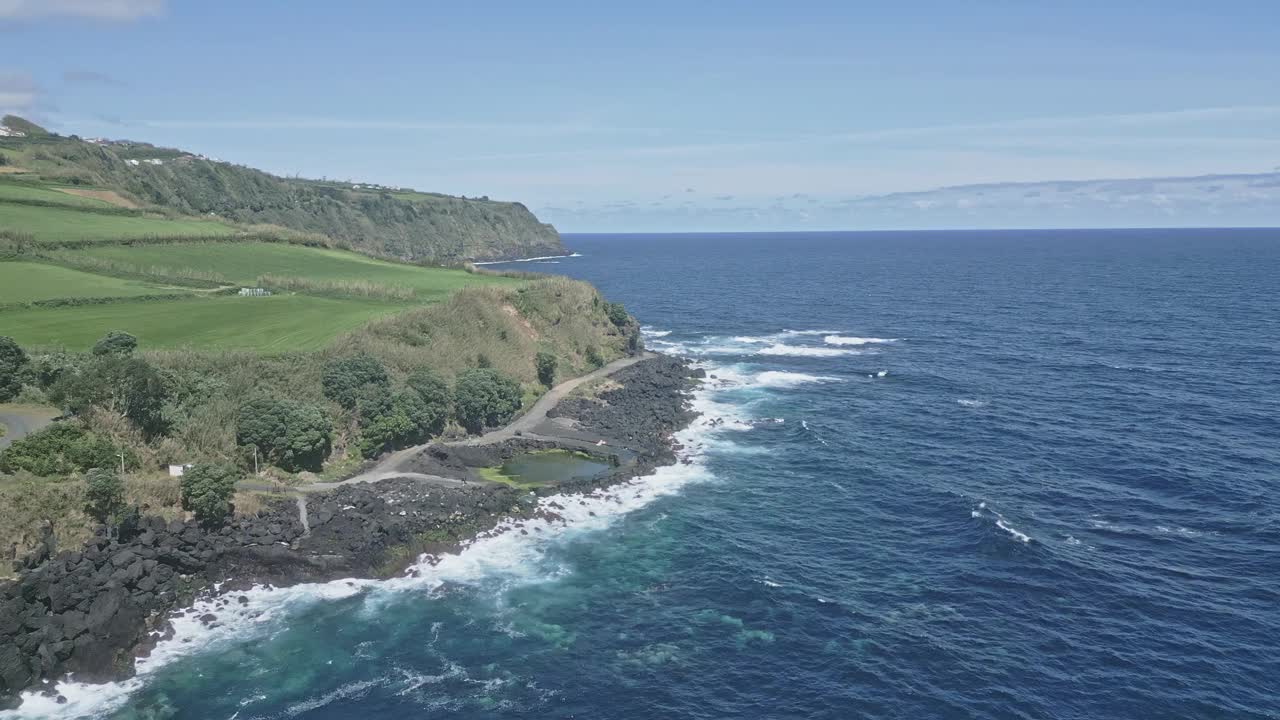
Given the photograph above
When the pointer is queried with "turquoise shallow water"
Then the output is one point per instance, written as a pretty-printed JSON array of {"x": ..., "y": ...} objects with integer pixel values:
[{"x": 960, "y": 475}]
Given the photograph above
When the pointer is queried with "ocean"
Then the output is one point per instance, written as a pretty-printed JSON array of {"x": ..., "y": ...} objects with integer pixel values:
[{"x": 938, "y": 475}]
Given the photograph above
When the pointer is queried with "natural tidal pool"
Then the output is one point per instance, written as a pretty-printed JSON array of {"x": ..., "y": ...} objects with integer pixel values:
[{"x": 542, "y": 467}]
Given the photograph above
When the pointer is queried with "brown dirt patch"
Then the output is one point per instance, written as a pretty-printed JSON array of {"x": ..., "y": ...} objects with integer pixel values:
[
  {"x": 524, "y": 322},
  {"x": 107, "y": 196}
]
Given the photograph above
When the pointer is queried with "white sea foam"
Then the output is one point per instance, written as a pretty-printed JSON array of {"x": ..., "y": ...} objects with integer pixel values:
[
  {"x": 803, "y": 351},
  {"x": 1017, "y": 534},
  {"x": 794, "y": 333},
  {"x": 982, "y": 511},
  {"x": 846, "y": 340},
  {"x": 805, "y": 424},
  {"x": 655, "y": 333},
  {"x": 529, "y": 259},
  {"x": 783, "y": 379},
  {"x": 972, "y": 403},
  {"x": 879, "y": 374}
]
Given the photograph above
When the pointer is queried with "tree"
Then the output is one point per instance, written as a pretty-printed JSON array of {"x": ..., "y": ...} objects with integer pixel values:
[
  {"x": 115, "y": 342},
  {"x": 485, "y": 397},
  {"x": 435, "y": 395},
  {"x": 593, "y": 357},
  {"x": 617, "y": 313},
  {"x": 344, "y": 378},
  {"x": 61, "y": 449},
  {"x": 289, "y": 434},
  {"x": 207, "y": 491},
  {"x": 545, "y": 362},
  {"x": 104, "y": 496},
  {"x": 12, "y": 362},
  {"x": 127, "y": 386},
  {"x": 395, "y": 421}
]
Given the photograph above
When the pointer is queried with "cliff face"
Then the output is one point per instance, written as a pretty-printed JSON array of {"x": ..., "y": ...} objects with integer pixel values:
[{"x": 383, "y": 221}]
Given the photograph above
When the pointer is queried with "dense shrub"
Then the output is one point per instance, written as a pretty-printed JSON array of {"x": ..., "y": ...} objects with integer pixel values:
[
  {"x": 13, "y": 361},
  {"x": 435, "y": 395},
  {"x": 49, "y": 369},
  {"x": 617, "y": 313},
  {"x": 207, "y": 491},
  {"x": 104, "y": 496},
  {"x": 115, "y": 343},
  {"x": 120, "y": 384},
  {"x": 60, "y": 449},
  {"x": 485, "y": 397},
  {"x": 390, "y": 422},
  {"x": 545, "y": 363},
  {"x": 289, "y": 434},
  {"x": 593, "y": 357},
  {"x": 345, "y": 377}
]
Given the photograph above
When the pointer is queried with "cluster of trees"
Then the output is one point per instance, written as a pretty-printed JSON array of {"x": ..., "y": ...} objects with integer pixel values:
[
  {"x": 390, "y": 419},
  {"x": 61, "y": 449},
  {"x": 292, "y": 434},
  {"x": 13, "y": 364}
]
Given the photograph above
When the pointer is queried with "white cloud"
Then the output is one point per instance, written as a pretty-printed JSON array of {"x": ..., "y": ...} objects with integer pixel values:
[
  {"x": 113, "y": 10},
  {"x": 18, "y": 93}
]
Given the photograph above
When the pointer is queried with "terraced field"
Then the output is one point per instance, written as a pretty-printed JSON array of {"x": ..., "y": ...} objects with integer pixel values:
[
  {"x": 70, "y": 223},
  {"x": 243, "y": 263},
  {"x": 24, "y": 282},
  {"x": 268, "y": 324}
]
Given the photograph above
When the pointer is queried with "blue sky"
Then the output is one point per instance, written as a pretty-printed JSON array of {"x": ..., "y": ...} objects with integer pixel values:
[{"x": 658, "y": 115}]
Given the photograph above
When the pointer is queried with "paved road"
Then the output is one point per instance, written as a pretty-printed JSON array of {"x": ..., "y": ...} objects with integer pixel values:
[{"x": 20, "y": 420}]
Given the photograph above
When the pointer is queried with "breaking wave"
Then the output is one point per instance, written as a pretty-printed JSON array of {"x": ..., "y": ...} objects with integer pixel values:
[
  {"x": 803, "y": 351},
  {"x": 845, "y": 340}
]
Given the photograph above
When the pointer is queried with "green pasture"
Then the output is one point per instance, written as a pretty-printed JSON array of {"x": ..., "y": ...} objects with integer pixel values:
[
  {"x": 242, "y": 263},
  {"x": 268, "y": 324},
  {"x": 23, "y": 282},
  {"x": 59, "y": 224},
  {"x": 20, "y": 192}
]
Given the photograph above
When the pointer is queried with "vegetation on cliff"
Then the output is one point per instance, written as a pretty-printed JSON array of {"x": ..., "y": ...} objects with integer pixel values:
[{"x": 122, "y": 188}]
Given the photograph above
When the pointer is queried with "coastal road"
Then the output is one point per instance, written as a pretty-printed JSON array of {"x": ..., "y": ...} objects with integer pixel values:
[
  {"x": 20, "y": 420},
  {"x": 524, "y": 424}
]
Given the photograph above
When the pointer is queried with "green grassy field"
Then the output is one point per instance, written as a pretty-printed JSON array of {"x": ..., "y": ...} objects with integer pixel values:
[
  {"x": 19, "y": 191},
  {"x": 269, "y": 324},
  {"x": 22, "y": 282},
  {"x": 53, "y": 224},
  {"x": 242, "y": 263}
]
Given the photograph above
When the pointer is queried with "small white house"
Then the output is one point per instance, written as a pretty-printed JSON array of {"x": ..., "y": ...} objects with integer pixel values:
[
  {"x": 254, "y": 292},
  {"x": 178, "y": 470}
]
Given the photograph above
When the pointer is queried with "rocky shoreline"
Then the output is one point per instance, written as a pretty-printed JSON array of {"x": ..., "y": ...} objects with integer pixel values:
[{"x": 93, "y": 611}]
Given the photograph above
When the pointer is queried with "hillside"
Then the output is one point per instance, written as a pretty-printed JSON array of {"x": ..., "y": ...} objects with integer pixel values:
[{"x": 397, "y": 223}]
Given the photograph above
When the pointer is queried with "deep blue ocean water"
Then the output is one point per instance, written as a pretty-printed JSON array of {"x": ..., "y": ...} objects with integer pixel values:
[{"x": 960, "y": 475}]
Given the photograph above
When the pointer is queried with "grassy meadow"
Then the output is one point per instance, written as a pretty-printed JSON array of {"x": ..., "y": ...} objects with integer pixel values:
[
  {"x": 25, "y": 282},
  {"x": 320, "y": 293},
  {"x": 60, "y": 224},
  {"x": 31, "y": 193},
  {"x": 267, "y": 324},
  {"x": 243, "y": 263}
]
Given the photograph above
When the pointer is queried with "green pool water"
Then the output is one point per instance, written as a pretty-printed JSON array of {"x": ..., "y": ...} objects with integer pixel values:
[{"x": 544, "y": 466}]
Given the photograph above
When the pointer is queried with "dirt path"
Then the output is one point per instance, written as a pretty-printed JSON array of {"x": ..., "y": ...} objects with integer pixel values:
[{"x": 524, "y": 424}]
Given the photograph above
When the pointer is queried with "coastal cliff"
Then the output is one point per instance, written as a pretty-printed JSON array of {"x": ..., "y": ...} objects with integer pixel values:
[{"x": 380, "y": 220}]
